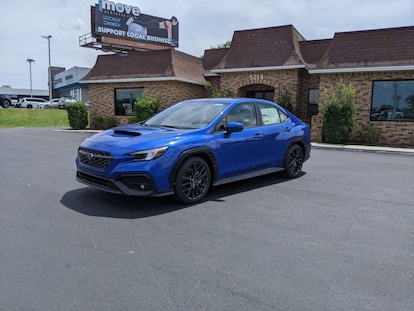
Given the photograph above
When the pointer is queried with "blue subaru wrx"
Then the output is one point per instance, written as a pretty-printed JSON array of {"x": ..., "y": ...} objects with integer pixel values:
[{"x": 186, "y": 148}]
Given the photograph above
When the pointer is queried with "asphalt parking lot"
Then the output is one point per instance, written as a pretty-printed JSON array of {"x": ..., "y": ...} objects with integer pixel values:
[{"x": 340, "y": 237}]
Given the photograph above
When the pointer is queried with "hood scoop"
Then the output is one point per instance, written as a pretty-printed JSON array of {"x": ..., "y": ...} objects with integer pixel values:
[{"x": 124, "y": 132}]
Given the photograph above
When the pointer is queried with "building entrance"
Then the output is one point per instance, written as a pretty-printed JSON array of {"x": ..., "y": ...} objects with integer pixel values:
[{"x": 269, "y": 95}]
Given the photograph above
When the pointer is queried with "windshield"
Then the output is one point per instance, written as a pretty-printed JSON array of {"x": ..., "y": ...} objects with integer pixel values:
[{"x": 188, "y": 115}]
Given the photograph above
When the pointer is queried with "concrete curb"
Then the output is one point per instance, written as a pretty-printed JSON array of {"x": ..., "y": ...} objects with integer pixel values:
[{"x": 374, "y": 149}]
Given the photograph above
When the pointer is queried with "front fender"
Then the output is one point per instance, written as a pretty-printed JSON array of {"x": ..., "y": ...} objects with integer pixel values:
[{"x": 203, "y": 152}]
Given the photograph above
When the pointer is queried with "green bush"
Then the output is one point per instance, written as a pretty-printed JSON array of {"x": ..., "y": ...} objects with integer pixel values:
[
  {"x": 339, "y": 114},
  {"x": 78, "y": 116},
  {"x": 284, "y": 100},
  {"x": 213, "y": 92},
  {"x": 369, "y": 134},
  {"x": 103, "y": 123},
  {"x": 133, "y": 120},
  {"x": 146, "y": 107}
]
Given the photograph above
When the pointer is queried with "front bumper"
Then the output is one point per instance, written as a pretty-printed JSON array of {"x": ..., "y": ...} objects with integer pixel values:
[{"x": 131, "y": 184}]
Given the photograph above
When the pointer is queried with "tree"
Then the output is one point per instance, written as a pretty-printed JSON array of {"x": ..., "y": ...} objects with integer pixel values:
[
  {"x": 410, "y": 101},
  {"x": 146, "y": 107},
  {"x": 222, "y": 46}
]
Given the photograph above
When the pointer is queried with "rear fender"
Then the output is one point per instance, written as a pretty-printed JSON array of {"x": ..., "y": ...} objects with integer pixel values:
[{"x": 301, "y": 143}]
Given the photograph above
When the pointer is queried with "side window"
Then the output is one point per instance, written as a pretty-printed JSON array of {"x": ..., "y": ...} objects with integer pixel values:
[
  {"x": 283, "y": 116},
  {"x": 243, "y": 113},
  {"x": 271, "y": 115}
]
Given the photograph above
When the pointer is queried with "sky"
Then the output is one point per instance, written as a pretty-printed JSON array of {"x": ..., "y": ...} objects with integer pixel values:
[{"x": 202, "y": 25}]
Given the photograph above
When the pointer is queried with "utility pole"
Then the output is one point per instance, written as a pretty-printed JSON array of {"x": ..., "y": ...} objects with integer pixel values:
[
  {"x": 50, "y": 68},
  {"x": 30, "y": 66}
]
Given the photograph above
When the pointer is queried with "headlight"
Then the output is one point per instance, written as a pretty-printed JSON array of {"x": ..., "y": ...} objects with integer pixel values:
[{"x": 147, "y": 155}]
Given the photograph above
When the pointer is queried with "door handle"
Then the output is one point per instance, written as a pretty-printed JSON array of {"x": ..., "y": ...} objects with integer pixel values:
[{"x": 258, "y": 136}]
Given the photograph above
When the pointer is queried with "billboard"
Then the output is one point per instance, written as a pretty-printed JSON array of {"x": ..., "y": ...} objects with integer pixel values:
[{"x": 124, "y": 21}]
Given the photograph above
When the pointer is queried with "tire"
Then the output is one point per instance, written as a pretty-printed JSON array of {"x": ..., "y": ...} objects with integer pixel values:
[
  {"x": 192, "y": 181},
  {"x": 29, "y": 106},
  {"x": 6, "y": 103},
  {"x": 294, "y": 161}
]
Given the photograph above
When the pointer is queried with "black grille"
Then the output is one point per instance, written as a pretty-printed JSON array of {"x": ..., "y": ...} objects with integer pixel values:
[
  {"x": 97, "y": 159},
  {"x": 97, "y": 181}
]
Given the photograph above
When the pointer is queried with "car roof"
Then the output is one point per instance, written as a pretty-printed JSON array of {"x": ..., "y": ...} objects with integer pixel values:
[
  {"x": 230, "y": 100},
  {"x": 33, "y": 99}
]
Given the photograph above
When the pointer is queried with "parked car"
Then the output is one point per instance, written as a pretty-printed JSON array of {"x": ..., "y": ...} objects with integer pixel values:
[
  {"x": 53, "y": 104},
  {"x": 30, "y": 102},
  {"x": 185, "y": 149},
  {"x": 5, "y": 101},
  {"x": 387, "y": 115},
  {"x": 65, "y": 101}
]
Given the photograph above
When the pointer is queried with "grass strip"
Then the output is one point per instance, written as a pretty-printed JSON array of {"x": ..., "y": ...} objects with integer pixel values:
[{"x": 23, "y": 117}]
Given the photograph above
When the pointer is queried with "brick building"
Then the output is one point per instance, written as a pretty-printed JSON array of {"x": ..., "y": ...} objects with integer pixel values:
[{"x": 269, "y": 62}]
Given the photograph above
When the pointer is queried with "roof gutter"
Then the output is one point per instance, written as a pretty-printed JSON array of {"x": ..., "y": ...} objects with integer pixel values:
[
  {"x": 123, "y": 80},
  {"x": 258, "y": 68},
  {"x": 362, "y": 69}
]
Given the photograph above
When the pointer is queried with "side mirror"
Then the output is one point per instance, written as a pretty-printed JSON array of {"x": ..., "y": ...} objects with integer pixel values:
[{"x": 233, "y": 127}]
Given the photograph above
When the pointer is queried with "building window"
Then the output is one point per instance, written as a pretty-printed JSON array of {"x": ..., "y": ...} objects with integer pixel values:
[
  {"x": 392, "y": 100},
  {"x": 313, "y": 99},
  {"x": 125, "y": 99},
  {"x": 313, "y": 96}
]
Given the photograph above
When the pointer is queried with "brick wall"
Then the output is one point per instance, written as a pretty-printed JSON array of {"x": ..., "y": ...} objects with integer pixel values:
[
  {"x": 307, "y": 82},
  {"x": 394, "y": 133},
  {"x": 237, "y": 82},
  {"x": 102, "y": 95},
  {"x": 296, "y": 82}
]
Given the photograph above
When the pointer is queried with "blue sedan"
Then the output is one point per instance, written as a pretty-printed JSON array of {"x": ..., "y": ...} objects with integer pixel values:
[{"x": 193, "y": 145}]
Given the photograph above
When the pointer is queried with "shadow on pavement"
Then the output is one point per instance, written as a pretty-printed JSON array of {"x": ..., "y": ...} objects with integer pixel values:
[{"x": 94, "y": 202}]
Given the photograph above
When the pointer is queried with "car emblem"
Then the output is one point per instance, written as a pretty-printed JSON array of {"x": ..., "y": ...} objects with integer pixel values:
[{"x": 90, "y": 155}]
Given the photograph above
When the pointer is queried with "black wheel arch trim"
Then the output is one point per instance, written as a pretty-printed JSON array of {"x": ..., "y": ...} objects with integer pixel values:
[
  {"x": 297, "y": 141},
  {"x": 204, "y": 152}
]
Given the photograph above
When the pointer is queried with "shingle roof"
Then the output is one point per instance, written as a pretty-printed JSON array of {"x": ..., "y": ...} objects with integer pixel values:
[
  {"x": 371, "y": 48},
  {"x": 264, "y": 47},
  {"x": 168, "y": 63},
  {"x": 312, "y": 51},
  {"x": 213, "y": 57}
]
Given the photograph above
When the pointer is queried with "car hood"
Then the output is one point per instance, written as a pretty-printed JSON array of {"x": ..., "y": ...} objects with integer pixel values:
[{"x": 134, "y": 137}]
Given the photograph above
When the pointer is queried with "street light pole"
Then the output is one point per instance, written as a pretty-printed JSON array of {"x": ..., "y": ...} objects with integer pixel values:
[
  {"x": 50, "y": 68},
  {"x": 30, "y": 66}
]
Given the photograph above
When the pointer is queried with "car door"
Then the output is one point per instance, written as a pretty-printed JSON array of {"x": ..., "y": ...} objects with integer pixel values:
[
  {"x": 276, "y": 134},
  {"x": 239, "y": 152}
]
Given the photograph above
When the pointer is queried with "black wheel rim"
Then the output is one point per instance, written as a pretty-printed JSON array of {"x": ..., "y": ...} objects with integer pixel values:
[
  {"x": 295, "y": 161},
  {"x": 195, "y": 181}
]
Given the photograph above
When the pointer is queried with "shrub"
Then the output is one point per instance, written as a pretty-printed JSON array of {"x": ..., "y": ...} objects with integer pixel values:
[
  {"x": 213, "y": 92},
  {"x": 369, "y": 134},
  {"x": 78, "y": 116},
  {"x": 133, "y": 120},
  {"x": 103, "y": 123},
  {"x": 284, "y": 100},
  {"x": 339, "y": 114},
  {"x": 146, "y": 107}
]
